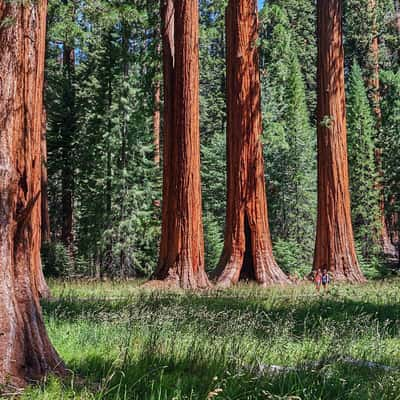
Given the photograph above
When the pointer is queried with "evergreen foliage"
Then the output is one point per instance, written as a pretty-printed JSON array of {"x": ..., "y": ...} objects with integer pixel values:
[
  {"x": 212, "y": 126},
  {"x": 301, "y": 23},
  {"x": 116, "y": 182},
  {"x": 363, "y": 176},
  {"x": 100, "y": 129},
  {"x": 391, "y": 148},
  {"x": 290, "y": 140}
]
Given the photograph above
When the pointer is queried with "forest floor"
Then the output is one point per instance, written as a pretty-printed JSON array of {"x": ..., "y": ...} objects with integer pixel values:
[{"x": 125, "y": 342}]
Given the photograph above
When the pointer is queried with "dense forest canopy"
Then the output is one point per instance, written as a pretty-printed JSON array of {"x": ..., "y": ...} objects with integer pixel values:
[{"x": 104, "y": 97}]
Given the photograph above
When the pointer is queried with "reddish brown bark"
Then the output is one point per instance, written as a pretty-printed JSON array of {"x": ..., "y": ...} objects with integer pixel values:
[
  {"x": 247, "y": 249},
  {"x": 334, "y": 247},
  {"x": 374, "y": 89},
  {"x": 181, "y": 259},
  {"x": 44, "y": 195},
  {"x": 26, "y": 352},
  {"x": 156, "y": 124}
]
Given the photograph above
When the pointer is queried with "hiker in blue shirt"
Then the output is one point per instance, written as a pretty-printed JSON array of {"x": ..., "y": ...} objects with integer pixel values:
[{"x": 326, "y": 279}]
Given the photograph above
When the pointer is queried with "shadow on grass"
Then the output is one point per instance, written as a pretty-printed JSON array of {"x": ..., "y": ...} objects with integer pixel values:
[
  {"x": 221, "y": 312},
  {"x": 163, "y": 376}
]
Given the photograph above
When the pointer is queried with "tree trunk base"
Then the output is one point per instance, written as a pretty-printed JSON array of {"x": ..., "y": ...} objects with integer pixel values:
[
  {"x": 350, "y": 278},
  {"x": 180, "y": 275},
  {"x": 27, "y": 354},
  {"x": 265, "y": 271}
]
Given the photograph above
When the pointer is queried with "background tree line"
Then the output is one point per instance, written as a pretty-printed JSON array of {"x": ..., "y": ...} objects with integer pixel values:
[{"x": 103, "y": 100}]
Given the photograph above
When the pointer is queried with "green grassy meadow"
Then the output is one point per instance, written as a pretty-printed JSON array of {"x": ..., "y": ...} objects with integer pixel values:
[{"x": 122, "y": 341}]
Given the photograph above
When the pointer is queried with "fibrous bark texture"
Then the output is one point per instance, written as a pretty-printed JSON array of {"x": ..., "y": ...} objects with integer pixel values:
[
  {"x": 181, "y": 261},
  {"x": 26, "y": 352},
  {"x": 247, "y": 249},
  {"x": 334, "y": 247}
]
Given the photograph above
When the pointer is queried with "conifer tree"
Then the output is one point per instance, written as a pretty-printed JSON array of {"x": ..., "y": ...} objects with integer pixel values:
[
  {"x": 212, "y": 125},
  {"x": 116, "y": 183},
  {"x": 181, "y": 259},
  {"x": 290, "y": 151},
  {"x": 361, "y": 144},
  {"x": 300, "y": 21},
  {"x": 335, "y": 247},
  {"x": 247, "y": 249},
  {"x": 26, "y": 351},
  {"x": 391, "y": 148}
]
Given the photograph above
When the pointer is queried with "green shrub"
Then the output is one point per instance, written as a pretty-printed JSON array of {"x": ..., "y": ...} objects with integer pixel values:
[
  {"x": 56, "y": 261},
  {"x": 290, "y": 257},
  {"x": 213, "y": 241},
  {"x": 373, "y": 266}
]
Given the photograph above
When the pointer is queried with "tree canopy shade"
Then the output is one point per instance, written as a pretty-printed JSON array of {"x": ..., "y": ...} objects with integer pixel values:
[
  {"x": 247, "y": 249},
  {"x": 334, "y": 248},
  {"x": 26, "y": 351}
]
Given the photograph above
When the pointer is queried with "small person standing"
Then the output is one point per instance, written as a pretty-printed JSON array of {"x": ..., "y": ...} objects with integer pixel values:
[
  {"x": 318, "y": 279},
  {"x": 326, "y": 279}
]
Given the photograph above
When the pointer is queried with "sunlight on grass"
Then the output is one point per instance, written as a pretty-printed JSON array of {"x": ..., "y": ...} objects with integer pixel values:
[{"x": 124, "y": 342}]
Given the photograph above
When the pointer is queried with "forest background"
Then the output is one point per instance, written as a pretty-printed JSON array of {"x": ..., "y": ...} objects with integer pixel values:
[{"x": 103, "y": 99}]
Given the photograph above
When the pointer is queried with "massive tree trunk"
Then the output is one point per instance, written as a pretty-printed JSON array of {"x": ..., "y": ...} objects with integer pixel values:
[
  {"x": 26, "y": 352},
  {"x": 334, "y": 247},
  {"x": 247, "y": 249},
  {"x": 181, "y": 261},
  {"x": 374, "y": 92}
]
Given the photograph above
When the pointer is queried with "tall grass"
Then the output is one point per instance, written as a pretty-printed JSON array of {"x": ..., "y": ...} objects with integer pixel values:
[{"x": 125, "y": 342}]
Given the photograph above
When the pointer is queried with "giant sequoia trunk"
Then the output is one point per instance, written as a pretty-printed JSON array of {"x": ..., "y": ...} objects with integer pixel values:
[
  {"x": 374, "y": 91},
  {"x": 334, "y": 247},
  {"x": 26, "y": 352},
  {"x": 247, "y": 250},
  {"x": 181, "y": 261}
]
